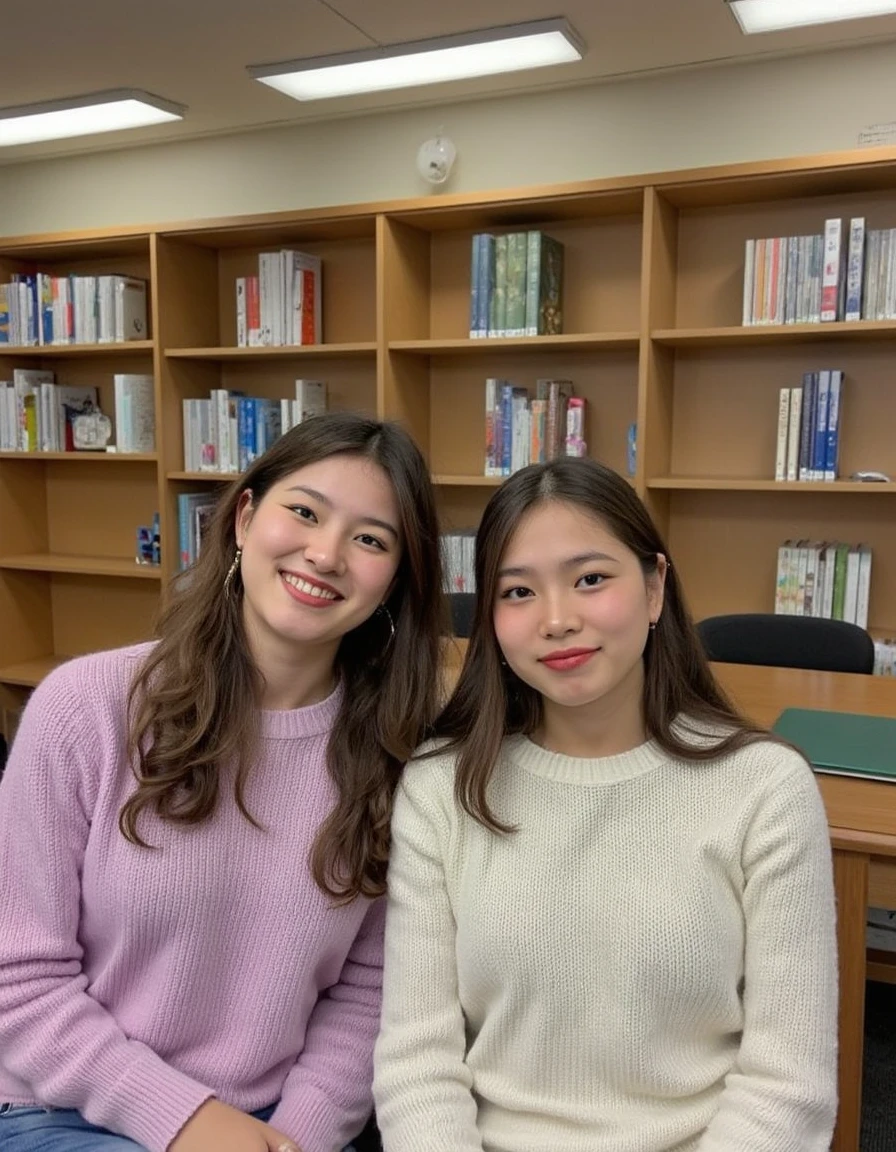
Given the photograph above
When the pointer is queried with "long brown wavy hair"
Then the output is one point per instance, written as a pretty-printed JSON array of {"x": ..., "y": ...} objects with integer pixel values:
[
  {"x": 490, "y": 701},
  {"x": 194, "y": 705}
]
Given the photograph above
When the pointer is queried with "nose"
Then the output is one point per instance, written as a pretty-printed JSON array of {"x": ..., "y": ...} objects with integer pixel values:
[
  {"x": 325, "y": 552},
  {"x": 559, "y": 618}
]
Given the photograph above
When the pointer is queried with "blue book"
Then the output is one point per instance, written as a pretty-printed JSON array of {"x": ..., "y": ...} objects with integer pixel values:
[{"x": 832, "y": 446}]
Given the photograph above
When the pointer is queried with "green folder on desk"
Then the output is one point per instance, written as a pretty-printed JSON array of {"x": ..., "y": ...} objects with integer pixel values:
[{"x": 842, "y": 743}]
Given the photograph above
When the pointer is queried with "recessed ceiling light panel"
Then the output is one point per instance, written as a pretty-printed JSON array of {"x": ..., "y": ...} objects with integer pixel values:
[
  {"x": 512, "y": 48},
  {"x": 84, "y": 115},
  {"x": 773, "y": 15}
]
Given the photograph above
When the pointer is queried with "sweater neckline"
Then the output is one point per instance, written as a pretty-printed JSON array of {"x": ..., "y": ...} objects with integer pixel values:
[
  {"x": 585, "y": 771},
  {"x": 312, "y": 720}
]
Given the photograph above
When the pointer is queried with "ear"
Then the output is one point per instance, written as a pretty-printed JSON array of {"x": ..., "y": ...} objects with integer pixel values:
[
  {"x": 656, "y": 587},
  {"x": 244, "y": 511}
]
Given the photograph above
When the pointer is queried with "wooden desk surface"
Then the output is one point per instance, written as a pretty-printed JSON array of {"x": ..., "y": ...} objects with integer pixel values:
[{"x": 864, "y": 808}]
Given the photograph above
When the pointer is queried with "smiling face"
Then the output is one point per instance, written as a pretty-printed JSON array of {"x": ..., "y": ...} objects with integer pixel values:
[
  {"x": 320, "y": 552},
  {"x": 572, "y": 614}
]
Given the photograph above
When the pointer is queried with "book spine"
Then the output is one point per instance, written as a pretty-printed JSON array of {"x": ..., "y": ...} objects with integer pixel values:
[
  {"x": 783, "y": 428},
  {"x": 793, "y": 433},
  {"x": 820, "y": 440},
  {"x": 832, "y": 445},
  {"x": 807, "y": 424},
  {"x": 854, "y": 268},
  {"x": 533, "y": 280},
  {"x": 830, "y": 276},
  {"x": 476, "y": 286},
  {"x": 749, "y": 258}
]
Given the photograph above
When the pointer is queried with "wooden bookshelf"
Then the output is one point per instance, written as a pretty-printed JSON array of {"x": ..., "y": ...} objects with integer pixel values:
[{"x": 652, "y": 333}]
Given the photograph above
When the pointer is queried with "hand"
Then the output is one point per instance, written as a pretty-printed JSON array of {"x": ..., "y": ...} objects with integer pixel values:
[{"x": 216, "y": 1127}]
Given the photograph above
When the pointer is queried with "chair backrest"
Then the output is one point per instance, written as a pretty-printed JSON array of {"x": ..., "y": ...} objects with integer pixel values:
[
  {"x": 788, "y": 642},
  {"x": 463, "y": 605}
]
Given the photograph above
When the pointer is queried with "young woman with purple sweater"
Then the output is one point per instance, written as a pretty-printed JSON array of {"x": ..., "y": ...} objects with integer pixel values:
[{"x": 194, "y": 832}]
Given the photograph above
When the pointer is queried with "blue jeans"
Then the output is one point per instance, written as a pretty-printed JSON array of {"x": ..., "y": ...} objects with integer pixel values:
[{"x": 28, "y": 1128}]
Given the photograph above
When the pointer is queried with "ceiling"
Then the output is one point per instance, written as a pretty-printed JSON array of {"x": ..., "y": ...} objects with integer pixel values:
[{"x": 195, "y": 52}]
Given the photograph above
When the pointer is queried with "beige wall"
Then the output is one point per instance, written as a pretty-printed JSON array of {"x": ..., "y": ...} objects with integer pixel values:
[{"x": 713, "y": 115}]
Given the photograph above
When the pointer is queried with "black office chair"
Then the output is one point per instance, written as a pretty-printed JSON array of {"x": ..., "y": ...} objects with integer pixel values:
[{"x": 788, "y": 642}]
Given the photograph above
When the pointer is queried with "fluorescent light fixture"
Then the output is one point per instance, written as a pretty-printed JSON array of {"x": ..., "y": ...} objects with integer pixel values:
[
  {"x": 84, "y": 115},
  {"x": 512, "y": 48},
  {"x": 773, "y": 15}
]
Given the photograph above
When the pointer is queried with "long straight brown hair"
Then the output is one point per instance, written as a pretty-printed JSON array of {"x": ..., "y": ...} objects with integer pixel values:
[
  {"x": 194, "y": 705},
  {"x": 490, "y": 701}
]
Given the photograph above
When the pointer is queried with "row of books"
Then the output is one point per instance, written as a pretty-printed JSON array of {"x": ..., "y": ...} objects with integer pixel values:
[
  {"x": 838, "y": 275},
  {"x": 41, "y": 309},
  {"x": 37, "y": 414},
  {"x": 516, "y": 285},
  {"x": 808, "y": 444},
  {"x": 819, "y": 578},
  {"x": 458, "y": 551},
  {"x": 229, "y": 430},
  {"x": 282, "y": 305},
  {"x": 521, "y": 429}
]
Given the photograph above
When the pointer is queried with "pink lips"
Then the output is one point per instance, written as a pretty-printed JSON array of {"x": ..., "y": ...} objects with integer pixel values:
[
  {"x": 306, "y": 597},
  {"x": 567, "y": 659}
]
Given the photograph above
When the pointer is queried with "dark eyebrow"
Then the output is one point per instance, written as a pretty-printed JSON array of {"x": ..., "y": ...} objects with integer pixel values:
[
  {"x": 325, "y": 500},
  {"x": 572, "y": 562}
]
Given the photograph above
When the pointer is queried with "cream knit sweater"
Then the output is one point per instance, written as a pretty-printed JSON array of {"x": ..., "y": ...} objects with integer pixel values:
[{"x": 647, "y": 964}]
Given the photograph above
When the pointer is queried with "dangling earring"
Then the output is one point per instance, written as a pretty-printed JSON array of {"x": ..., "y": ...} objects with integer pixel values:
[
  {"x": 383, "y": 610},
  {"x": 231, "y": 572},
  {"x": 652, "y": 625}
]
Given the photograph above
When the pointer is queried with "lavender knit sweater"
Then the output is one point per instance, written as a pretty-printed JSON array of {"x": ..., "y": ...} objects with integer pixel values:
[{"x": 136, "y": 983}]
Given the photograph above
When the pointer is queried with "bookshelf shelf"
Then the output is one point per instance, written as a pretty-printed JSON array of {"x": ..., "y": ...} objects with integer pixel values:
[
  {"x": 29, "y": 673},
  {"x": 771, "y": 334},
  {"x": 76, "y": 351},
  {"x": 214, "y": 477},
  {"x": 468, "y": 481},
  {"x": 361, "y": 349},
  {"x": 721, "y": 484},
  {"x": 583, "y": 342},
  {"x": 82, "y": 457},
  {"x": 80, "y": 565}
]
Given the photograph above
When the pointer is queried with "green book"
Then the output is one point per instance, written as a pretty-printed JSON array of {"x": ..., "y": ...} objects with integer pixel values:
[{"x": 842, "y": 743}]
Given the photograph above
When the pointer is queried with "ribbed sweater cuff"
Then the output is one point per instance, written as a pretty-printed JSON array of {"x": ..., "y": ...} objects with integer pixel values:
[
  {"x": 153, "y": 1102},
  {"x": 311, "y": 1119}
]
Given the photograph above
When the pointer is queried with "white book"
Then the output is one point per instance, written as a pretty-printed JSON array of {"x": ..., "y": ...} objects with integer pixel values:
[
  {"x": 850, "y": 598},
  {"x": 242, "y": 330},
  {"x": 749, "y": 257},
  {"x": 781, "y": 580},
  {"x": 863, "y": 585},
  {"x": 268, "y": 280},
  {"x": 783, "y": 428},
  {"x": 311, "y": 398},
  {"x": 130, "y": 309},
  {"x": 286, "y": 412},
  {"x": 135, "y": 412},
  {"x": 793, "y": 433},
  {"x": 802, "y": 564}
]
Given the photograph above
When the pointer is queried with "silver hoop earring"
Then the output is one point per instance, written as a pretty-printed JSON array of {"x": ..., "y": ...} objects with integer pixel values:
[
  {"x": 231, "y": 572},
  {"x": 384, "y": 611}
]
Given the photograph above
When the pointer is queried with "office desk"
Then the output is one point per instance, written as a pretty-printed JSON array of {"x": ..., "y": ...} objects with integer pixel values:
[{"x": 862, "y": 819}]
